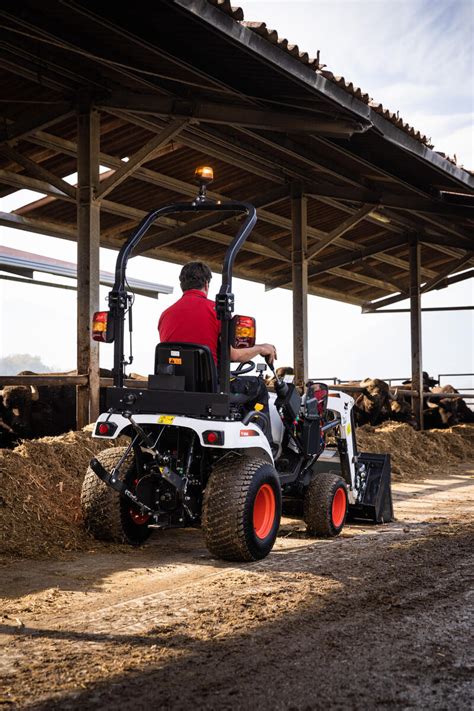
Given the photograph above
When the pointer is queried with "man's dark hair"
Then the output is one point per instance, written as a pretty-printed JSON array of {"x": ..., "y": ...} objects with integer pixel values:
[{"x": 194, "y": 275}]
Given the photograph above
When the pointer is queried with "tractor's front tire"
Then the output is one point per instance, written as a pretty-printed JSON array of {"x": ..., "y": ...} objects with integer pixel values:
[
  {"x": 325, "y": 505},
  {"x": 241, "y": 509},
  {"x": 107, "y": 515}
]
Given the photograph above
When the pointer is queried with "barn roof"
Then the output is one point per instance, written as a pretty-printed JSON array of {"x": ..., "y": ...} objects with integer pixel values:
[
  {"x": 193, "y": 83},
  {"x": 23, "y": 265}
]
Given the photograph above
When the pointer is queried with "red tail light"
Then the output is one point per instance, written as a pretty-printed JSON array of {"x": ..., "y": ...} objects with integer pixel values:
[
  {"x": 102, "y": 327},
  {"x": 213, "y": 437},
  {"x": 243, "y": 330},
  {"x": 105, "y": 429}
]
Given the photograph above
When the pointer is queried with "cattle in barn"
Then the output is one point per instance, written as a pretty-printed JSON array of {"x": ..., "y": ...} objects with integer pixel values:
[
  {"x": 400, "y": 410},
  {"x": 372, "y": 405},
  {"x": 446, "y": 412},
  {"x": 428, "y": 382},
  {"x": 32, "y": 411},
  {"x": 401, "y": 407},
  {"x": 8, "y": 436}
]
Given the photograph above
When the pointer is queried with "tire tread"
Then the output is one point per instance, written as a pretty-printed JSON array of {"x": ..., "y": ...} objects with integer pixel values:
[
  {"x": 224, "y": 503},
  {"x": 318, "y": 502},
  {"x": 102, "y": 506}
]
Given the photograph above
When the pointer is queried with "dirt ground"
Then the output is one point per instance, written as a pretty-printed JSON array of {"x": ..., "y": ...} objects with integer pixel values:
[{"x": 380, "y": 617}]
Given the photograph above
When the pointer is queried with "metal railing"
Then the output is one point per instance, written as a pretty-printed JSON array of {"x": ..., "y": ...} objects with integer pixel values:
[{"x": 340, "y": 384}]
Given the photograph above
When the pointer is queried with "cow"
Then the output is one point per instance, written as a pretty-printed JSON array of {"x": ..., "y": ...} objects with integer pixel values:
[
  {"x": 446, "y": 412},
  {"x": 428, "y": 382},
  {"x": 400, "y": 410},
  {"x": 372, "y": 405},
  {"x": 30, "y": 411},
  {"x": 8, "y": 436}
]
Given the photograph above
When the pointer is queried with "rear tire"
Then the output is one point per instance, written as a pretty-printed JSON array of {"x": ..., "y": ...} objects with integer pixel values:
[
  {"x": 325, "y": 505},
  {"x": 241, "y": 509},
  {"x": 107, "y": 515}
]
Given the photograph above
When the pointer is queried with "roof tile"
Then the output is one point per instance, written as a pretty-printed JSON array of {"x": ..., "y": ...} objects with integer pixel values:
[{"x": 272, "y": 36}]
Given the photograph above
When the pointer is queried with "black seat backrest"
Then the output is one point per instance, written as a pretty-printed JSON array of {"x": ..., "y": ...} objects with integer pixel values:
[{"x": 191, "y": 360}]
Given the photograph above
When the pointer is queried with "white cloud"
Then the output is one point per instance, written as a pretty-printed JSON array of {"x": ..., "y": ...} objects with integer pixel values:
[{"x": 414, "y": 56}]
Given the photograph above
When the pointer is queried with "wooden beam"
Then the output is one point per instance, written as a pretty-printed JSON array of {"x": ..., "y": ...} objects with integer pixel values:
[
  {"x": 257, "y": 244},
  {"x": 300, "y": 286},
  {"x": 44, "y": 379},
  {"x": 144, "y": 154},
  {"x": 447, "y": 240},
  {"x": 451, "y": 268},
  {"x": 166, "y": 181},
  {"x": 361, "y": 278},
  {"x": 404, "y": 203},
  {"x": 415, "y": 329},
  {"x": 340, "y": 230},
  {"x": 34, "y": 121},
  {"x": 229, "y": 156},
  {"x": 230, "y": 113},
  {"x": 194, "y": 226},
  {"x": 88, "y": 243},
  {"x": 41, "y": 227},
  {"x": 359, "y": 255},
  {"x": 40, "y": 186},
  {"x": 383, "y": 279},
  {"x": 432, "y": 308},
  {"x": 439, "y": 283},
  {"x": 37, "y": 170},
  {"x": 448, "y": 226}
]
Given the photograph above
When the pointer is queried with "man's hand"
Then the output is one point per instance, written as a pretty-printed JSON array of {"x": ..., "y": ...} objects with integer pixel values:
[
  {"x": 242, "y": 355},
  {"x": 268, "y": 351}
]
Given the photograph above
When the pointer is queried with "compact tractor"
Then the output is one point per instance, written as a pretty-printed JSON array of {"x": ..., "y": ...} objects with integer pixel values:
[{"x": 198, "y": 454}]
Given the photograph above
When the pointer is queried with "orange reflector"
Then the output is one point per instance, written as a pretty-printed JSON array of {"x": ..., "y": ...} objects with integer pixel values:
[
  {"x": 204, "y": 174},
  {"x": 243, "y": 332},
  {"x": 101, "y": 327},
  {"x": 249, "y": 433}
]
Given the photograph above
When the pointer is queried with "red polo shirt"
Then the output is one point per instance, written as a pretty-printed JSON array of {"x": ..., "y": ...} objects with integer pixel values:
[{"x": 192, "y": 319}]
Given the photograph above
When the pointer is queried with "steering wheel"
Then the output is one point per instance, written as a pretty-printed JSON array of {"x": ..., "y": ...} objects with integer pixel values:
[{"x": 243, "y": 368}]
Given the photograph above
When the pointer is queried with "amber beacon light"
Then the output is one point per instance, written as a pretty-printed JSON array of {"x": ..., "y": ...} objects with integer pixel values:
[{"x": 204, "y": 174}]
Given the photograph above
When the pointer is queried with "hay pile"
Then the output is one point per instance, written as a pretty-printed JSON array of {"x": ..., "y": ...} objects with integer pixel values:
[
  {"x": 40, "y": 481},
  {"x": 416, "y": 455},
  {"x": 40, "y": 486}
]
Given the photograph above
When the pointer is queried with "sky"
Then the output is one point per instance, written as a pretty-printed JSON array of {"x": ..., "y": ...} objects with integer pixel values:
[{"x": 413, "y": 56}]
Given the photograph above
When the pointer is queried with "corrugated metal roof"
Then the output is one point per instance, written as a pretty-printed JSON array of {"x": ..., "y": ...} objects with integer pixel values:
[{"x": 18, "y": 261}]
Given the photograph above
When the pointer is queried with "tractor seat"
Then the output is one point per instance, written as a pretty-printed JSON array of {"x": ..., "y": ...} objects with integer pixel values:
[
  {"x": 188, "y": 367},
  {"x": 185, "y": 366}
]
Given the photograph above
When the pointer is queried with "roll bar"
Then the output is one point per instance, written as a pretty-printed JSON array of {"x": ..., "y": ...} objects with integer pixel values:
[{"x": 118, "y": 299}]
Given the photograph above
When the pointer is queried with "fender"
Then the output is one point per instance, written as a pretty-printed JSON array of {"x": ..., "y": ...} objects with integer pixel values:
[{"x": 236, "y": 435}]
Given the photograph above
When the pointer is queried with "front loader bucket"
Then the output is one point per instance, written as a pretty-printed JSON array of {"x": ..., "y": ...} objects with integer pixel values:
[{"x": 376, "y": 504}]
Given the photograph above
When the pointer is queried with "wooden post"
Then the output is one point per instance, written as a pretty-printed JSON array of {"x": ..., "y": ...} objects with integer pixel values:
[
  {"x": 88, "y": 240},
  {"x": 299, "y": 260},
  {"x": 416, "y": 338}
]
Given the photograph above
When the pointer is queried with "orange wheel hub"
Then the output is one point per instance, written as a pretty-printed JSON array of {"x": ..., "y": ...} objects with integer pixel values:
[
  {"x": 338, "y": 507},
  {"x": 138, "y": 518},
  {"x": 264, "y": 509}
]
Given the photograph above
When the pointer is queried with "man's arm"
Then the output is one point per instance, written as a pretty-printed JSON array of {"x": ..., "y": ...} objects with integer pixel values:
[{"x": 241, "y": 355}]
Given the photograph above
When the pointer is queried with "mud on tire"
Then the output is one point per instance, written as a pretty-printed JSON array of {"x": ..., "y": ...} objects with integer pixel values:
[
  {"x": 325, "y": 505},
  {"x": 241, "y": 509},
  {"x": 107, "y": 515}
]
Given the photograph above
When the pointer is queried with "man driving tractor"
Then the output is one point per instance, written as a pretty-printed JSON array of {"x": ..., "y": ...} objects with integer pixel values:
[{"x": 193, "y": 319}]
